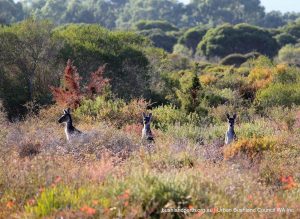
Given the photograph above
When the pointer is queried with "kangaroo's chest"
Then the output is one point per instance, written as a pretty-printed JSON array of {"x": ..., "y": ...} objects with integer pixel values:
[
  {"x": 69, "y": 132},
  {"x": 230, "y": 136},
  {"x": 146, "y": 132}
]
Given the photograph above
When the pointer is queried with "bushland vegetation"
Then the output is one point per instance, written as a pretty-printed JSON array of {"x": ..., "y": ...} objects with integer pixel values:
[{"x": 110, "y": 77}]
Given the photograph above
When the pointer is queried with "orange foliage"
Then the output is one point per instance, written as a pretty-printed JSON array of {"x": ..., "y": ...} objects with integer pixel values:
[
  {"x": 10, "y": 204},
  {"x": 208, "y": 79},
  {"x": 95, "y": 202},
  {"x": 71, "y": 94},
  {"x": 281, "y": 68},
  {"x": 288, "y": 182},
  {"x": 125, "y": 195},
  {"x": 88, "y": 210},
  {"x": 134, "y": 129},
  {"x": 97, "y": 82},
  {"x": 56, "y": 181},
  {"x": 249, "y": 147},
  {"x": 260, "y": 77},
  {"x": 31, "y": 201}
]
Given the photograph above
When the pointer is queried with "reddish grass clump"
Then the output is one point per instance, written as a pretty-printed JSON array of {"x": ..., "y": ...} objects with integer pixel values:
[{"x": 134, "y": 129}]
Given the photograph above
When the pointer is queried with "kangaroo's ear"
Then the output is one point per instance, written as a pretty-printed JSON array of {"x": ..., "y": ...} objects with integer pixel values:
[
  {"x": 234, "y": 116},
  {"x": 228, "y": 116},
  {"x": 68, "y": 110},
  {"x": 65, "y": 111},
  {"x": 144, "y": 115}
]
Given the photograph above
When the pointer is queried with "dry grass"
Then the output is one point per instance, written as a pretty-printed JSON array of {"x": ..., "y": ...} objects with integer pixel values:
[{"x": 109, "y": 173}]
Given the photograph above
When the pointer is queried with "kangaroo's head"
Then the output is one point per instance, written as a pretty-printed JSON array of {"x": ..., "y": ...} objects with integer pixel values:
[
  {"x": 231, "y": 120},
  {"x": 66, "y": 117},
  {"x": 147, "y": 119}
]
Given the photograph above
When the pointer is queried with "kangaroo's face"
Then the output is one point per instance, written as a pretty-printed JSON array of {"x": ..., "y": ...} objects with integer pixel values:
[
  {"x": 147, "y": 119},
  {"x": 231, "y": 120},
  {"x": 65, "y": 117}
]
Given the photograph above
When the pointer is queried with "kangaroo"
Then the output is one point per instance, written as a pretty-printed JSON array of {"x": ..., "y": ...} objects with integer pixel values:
[
  {"x": 146, "y": 132},
  {"x": 230, "y": 134},
  {"x": 70, "y": 130}
]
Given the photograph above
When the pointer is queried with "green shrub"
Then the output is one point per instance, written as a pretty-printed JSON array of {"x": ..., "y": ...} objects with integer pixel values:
[
  {"x": 283, "y": 115},
  {"x": 90, "y": 46},
  {"x": 155, "y": 24},
  {"x": 252, "y": 55},
  {"x": 229, "y": 80},
  {"x": 190, "y": 93},
  {"x": 191, "y": 132},
  {"x": 237, "y": 59},
  {"x": 293, "y": 29},
  {"x": 279, "y": 94},
  {"x": 192, "y": 37},
  {"x": 286, "y": 75},
  {"x": 168, "y": 115},
  {"x": 213, "y": 99},
  {"x": 290, "y": 55},
  {"x": 147, "y": 190},
  {"x": 115, "y": 111},
  {"x": 160, "y": 39},
  {"x": 261, "y": 61},
  {"x": 285, "y": 38},
  {"x": 242, "y": 38},
  {"x": 257, "y": 128},
  {"x": 101, "y": 108},
  {"x": 155, "y": 193},
  {"x": 62, "y": 197},
  {"x": 182, "y": 50},
  {"x": 234, "y": 59}
]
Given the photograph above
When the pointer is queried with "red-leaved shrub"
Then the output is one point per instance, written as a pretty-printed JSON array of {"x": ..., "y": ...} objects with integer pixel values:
[{"x": 71, "y": 93}]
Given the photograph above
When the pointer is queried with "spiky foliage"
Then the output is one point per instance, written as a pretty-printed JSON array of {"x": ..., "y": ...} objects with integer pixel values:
[
  {"x": 71, "y": 94},
  {"x": 97, "y": 83}
]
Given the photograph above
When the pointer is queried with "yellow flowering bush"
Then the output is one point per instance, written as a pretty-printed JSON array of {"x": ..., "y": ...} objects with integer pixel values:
[{"x": 250, "y": 147}]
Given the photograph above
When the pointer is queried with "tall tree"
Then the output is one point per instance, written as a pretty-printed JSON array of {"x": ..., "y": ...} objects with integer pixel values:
[
  {"x": 225, "y": 11},
  {"x": 102, "y": 12},
  {"x": 273, "y": 19},
  {"x": 136, "y": 10},
  {"x": 28, "y": 53},
  {"x": 10, "y": 11}
]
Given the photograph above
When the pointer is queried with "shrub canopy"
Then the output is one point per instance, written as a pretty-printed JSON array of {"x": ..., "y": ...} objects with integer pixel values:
[{"x": 242, "y": 38}]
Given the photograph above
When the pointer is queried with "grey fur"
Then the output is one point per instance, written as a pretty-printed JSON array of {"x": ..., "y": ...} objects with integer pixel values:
[
  {"x": 146, "y": 132},
  {"x": 230, "y": 135}
]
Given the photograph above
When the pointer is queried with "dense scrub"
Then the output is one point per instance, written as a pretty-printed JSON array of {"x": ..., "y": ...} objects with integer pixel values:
[
  {"x": 199, "y": 73},
  {"x": 109, "y": 172}
]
